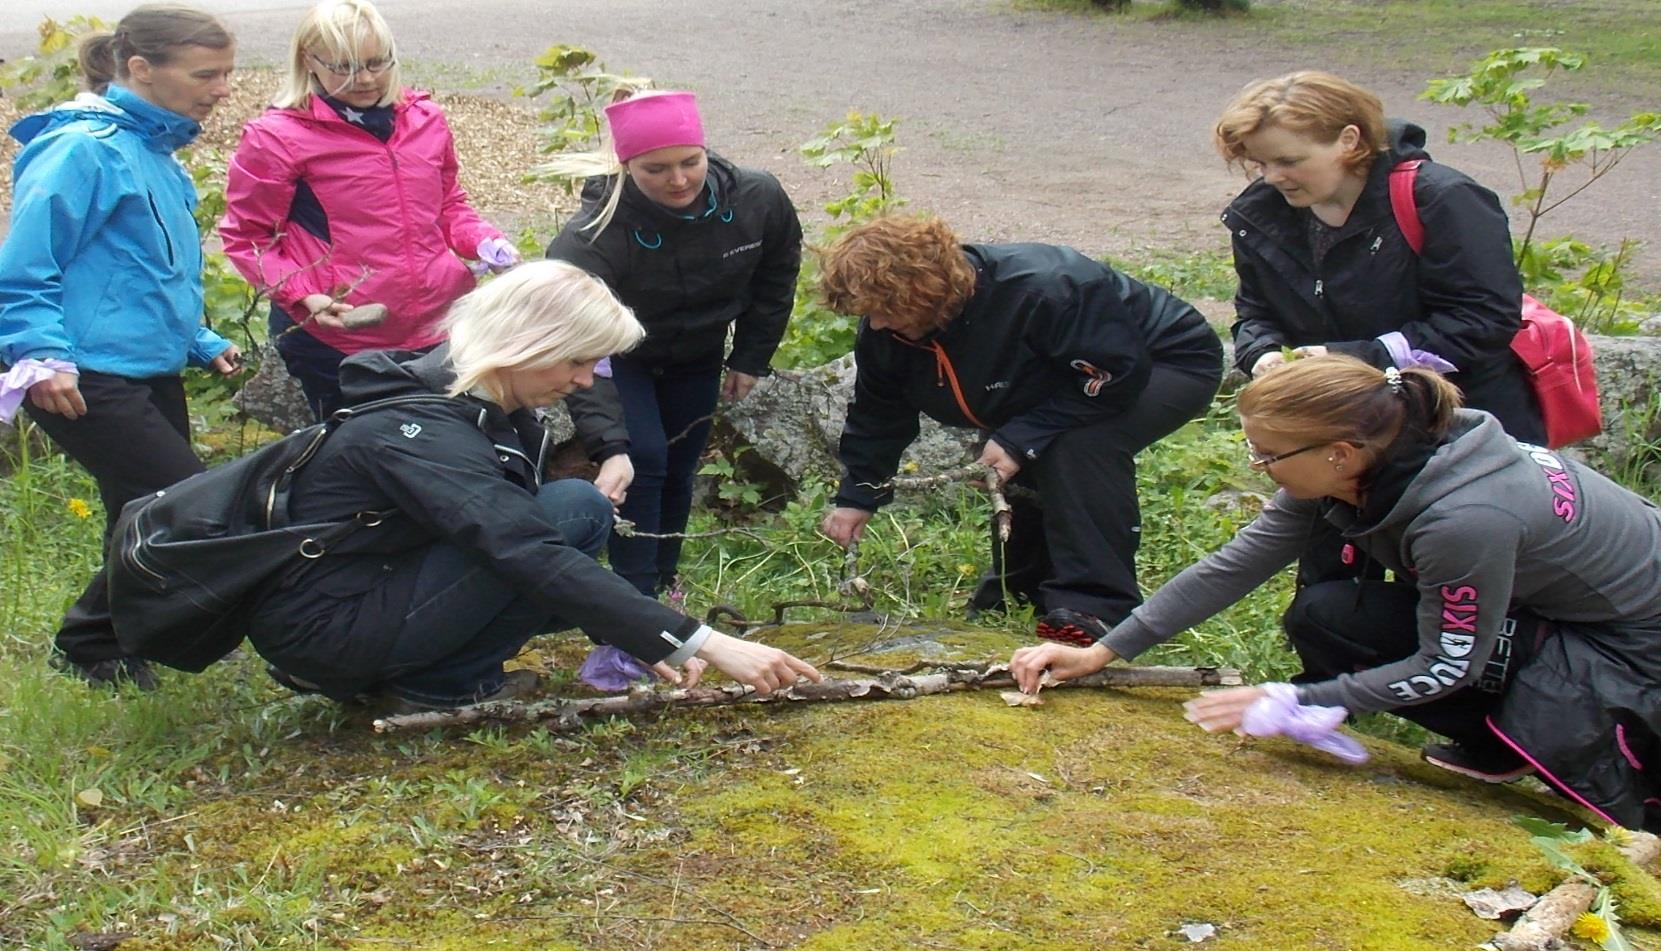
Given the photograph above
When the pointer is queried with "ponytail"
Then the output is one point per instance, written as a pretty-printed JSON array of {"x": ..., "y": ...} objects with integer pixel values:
[
  {"x": 98, "y": 60},
  {"x": 1336, "y": 398}
]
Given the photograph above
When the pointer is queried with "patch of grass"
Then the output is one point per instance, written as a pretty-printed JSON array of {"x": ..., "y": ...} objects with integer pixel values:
[
  {"x": 1622, "y": 37},
  {"x": 1185, "y": 273}
]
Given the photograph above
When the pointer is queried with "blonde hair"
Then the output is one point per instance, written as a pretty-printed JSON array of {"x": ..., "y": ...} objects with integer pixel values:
[
  {"x": 1311, "y": 103},
  {"x": 912, "y": 271},
  {"x": 1337, "y": 398},
  {"x": 332, "y": 31},
  {"x": 601, "y": 162},
  {"x": 152, "y": 31},
  {"x": 536, "y": 315}
]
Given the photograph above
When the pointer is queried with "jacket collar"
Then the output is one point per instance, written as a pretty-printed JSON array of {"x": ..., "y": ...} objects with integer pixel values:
[{"x": 162, "y": 130}]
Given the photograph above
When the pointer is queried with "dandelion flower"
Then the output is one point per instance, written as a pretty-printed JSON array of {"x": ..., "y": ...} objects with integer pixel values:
[
  {"x": 1590, "y": 927},
  {"x": 909, "y": 468},
  {"x": 79, "y": 508}
]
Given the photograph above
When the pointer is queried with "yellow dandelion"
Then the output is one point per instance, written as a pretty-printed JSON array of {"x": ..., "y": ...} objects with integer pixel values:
[
  {"x": 1590, "y": 927},
  {"x": 966, "y": 569},
  {"x": 79, "y": 508},
  {"x": 909, "y": 468}
]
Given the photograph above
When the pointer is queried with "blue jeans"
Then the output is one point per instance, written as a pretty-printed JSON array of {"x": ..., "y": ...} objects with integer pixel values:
[
  {"x": 667, "y": 410},
  {"x": 465, "y": 619}
]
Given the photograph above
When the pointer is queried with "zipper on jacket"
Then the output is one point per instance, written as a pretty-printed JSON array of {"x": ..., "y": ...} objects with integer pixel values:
[
  {"x": 945, "y": 373},
  {"x": 1320, "y": 287},
  {"x": 166, "y": 238}
]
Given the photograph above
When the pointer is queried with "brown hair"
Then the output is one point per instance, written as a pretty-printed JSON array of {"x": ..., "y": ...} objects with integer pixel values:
[
  {"x": 1337, "y": 398},
  {"x": 912, "y": 271},
  {"x": 152, "y": 31},
  {"x": 1311, "y": 103}
]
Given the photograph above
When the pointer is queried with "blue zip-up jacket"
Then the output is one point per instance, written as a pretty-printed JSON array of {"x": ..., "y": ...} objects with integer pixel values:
[{"x": 103, "y": 263}]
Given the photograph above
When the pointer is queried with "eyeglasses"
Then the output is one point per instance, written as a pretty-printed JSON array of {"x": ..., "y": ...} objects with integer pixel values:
[
  {"x": 373, "y": 67},
  {"x": 1259, "y": 461}
]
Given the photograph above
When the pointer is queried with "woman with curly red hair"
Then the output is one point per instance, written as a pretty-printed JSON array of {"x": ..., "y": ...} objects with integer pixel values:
[{"x": 1070, "y": 369}]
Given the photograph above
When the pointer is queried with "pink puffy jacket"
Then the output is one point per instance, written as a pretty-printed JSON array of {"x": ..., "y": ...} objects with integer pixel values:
[{"x": 398, "y": 219}]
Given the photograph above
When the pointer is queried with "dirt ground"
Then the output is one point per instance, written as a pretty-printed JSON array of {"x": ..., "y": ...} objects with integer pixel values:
[{"x": 1016, "y": 125}]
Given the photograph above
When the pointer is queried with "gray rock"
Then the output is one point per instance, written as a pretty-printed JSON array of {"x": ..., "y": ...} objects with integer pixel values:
[
  {"x": 793, "y": 420},
  {"x": 273, "y": 397}
]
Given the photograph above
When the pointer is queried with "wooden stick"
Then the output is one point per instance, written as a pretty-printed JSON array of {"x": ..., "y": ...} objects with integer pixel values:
[{"x": 568, "y": 714}]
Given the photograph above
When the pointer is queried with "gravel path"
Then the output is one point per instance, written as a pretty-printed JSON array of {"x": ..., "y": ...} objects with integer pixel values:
[{"x": 1089, "y": 131}]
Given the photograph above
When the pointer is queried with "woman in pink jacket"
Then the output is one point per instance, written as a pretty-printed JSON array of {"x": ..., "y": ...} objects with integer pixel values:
[{"x": 344, "y": 194}]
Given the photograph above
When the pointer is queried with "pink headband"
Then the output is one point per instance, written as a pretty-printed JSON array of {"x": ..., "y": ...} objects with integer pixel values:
[{"x": 654, "y": 120}]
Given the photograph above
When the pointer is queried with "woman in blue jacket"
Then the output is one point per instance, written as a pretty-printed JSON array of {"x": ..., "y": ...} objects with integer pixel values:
[{"x": 101, "y": 279}]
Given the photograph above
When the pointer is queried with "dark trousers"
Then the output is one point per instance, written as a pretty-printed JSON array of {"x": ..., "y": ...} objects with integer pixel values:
[
  {"x": 443, "y": 641},
  {"x": 1075, "y": 545},
  {"x": 667, "y": 411},
  {"x": 314, "y": 364},
  {"x": 1340, "y": 627},
  {"x": 134, "y": 439}
]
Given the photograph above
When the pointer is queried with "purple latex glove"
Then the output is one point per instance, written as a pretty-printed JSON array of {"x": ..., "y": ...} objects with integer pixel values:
[
  {"x": 15, "y": 383},
  {"x": 1278, "y": 713},
  {"x": 498, "y": 253},
  {"x": 603, "y": 368},
  {"x": 609, "y": 669},
  {"x": 1404, "y": 356}
]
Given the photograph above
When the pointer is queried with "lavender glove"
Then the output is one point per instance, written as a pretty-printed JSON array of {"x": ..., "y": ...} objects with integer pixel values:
[
  {"x": 609, "y": 669},
  {"x": 1278, "y": 713},
  {"x": 15, "y": 383},
  {"x": 499, "y": 253},
  {"x": 603, "y": 368},
  {"x": 1404, "y": 356}
]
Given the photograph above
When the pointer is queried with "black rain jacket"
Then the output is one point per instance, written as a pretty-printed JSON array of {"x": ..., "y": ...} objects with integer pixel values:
[
  {"x": 1460, "y": 299},
  {"x": 463, "y": 472},
  {"x": 688, "y": 278},
  {"x": 1049, "y": 341}
]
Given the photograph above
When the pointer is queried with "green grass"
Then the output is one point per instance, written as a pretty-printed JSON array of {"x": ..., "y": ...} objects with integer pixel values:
[
  {"x": 1436, "y": 37},
  {"x": 222, "y": 812}
]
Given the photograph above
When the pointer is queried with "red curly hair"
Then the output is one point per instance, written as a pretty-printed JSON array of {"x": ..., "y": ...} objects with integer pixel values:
[{"x": 910, "y": 271}]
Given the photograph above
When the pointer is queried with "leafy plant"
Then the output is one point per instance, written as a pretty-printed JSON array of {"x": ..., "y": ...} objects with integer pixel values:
[
  {"x": 817, "y": 334},
  {"x": 53, "y": 74},
  {"x": 577, "y": 87},
  {"x": 1502, "y": 84},
  {"x": 1551, "y": 838},
  {"x": 865, "y": 141},
  {"x": 1214, "y": 6}
]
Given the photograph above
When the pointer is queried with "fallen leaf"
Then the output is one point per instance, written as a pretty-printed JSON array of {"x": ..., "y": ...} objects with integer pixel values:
[
  {"x": 1496, "y": 906},
  {"x": 1016, "y": 698},
  {"x": 90, "y": 798}
]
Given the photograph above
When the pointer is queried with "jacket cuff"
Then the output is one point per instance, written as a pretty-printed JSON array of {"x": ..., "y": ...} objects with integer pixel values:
[
  {"x": 1130, "y": 637},
  {"x": 741, "y": 367},
  {"x": 1370, "y": 351},
  {"x": 607, "y": 450},
  {"x": 690, "y": 642}
]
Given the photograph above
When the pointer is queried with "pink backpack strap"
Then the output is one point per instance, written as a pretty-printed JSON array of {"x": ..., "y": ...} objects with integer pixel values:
[{"x": 1404, "y": 205}]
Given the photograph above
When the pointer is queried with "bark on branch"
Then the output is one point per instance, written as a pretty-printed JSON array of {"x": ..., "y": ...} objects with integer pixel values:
[{"x": 569, "y": 714}]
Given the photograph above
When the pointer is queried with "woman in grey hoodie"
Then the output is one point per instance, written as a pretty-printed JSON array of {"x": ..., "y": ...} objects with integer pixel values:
[{"x": 1523, "y": 609}]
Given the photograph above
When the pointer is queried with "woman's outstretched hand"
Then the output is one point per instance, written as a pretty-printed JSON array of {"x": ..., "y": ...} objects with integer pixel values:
[
  {"x": 1219, "y": 711},
  {"x": 765, "y": 668},
  {"x": 1063, "y": 661}
]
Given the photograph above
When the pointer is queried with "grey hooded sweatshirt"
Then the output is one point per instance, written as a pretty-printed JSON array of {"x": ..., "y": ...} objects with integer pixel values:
[{"x": 1487, "y": 525}]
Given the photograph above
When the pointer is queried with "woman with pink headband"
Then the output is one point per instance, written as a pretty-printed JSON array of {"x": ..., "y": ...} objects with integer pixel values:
[{"x": 695, "y": 245}]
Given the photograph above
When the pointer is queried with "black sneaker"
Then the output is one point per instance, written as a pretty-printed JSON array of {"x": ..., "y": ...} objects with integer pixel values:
[
  {"x": 110, "y": 672},
  {"x": 1071, "y": 627},
  {"x": 1496, "y": 765}
]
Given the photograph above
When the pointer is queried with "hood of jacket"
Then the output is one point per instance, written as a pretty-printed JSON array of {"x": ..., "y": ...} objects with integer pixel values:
[
  {"x": 162, "y": 130},
  {"x": 383, "y": 374},
  {"x": 1476, "y": 446}
]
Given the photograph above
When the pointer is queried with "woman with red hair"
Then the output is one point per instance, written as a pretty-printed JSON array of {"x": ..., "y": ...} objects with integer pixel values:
[{"x": 1070, "y": 369}]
